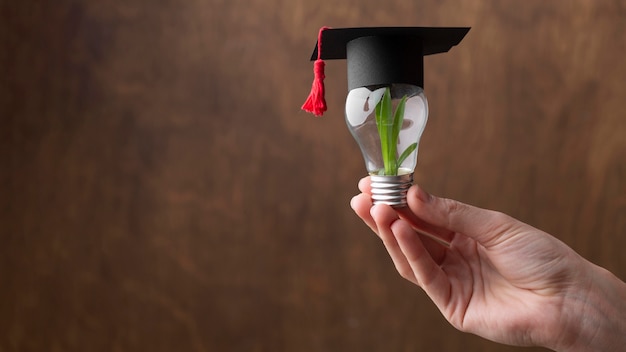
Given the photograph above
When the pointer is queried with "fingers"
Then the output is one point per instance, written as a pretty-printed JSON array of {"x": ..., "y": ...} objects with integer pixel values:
[
  {"x": 412, "y": 258},
  {"x": 441, "y": 235},
  {"x": 485, "y": 226},
  {"x": 384, "y": 217},
  {"x": 361, "y": 204},
  {"x": 424, "y": 268},
  {"x": 416, "y": 257}
]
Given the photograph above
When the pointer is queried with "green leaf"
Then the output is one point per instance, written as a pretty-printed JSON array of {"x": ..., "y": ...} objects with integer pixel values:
[
  {"x": 406, "y": 153},
  {"x": 389, "y": 124}
]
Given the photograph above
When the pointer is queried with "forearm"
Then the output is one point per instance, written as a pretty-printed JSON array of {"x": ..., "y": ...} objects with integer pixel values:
[{"x": 600, "y": 323}]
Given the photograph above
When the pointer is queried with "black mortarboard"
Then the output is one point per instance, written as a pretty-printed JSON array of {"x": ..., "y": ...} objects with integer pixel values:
[{"x": 378, "y": 55}]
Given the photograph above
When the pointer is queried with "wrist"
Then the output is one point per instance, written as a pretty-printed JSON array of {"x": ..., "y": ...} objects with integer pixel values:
[{"x": 597, "y": 316}]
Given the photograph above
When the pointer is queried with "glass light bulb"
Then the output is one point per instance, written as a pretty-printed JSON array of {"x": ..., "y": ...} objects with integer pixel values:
[{"x": 387, "y": 123}]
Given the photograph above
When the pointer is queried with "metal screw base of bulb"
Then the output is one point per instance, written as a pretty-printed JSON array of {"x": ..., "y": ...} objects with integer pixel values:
[{"x": 391, "y": 190}]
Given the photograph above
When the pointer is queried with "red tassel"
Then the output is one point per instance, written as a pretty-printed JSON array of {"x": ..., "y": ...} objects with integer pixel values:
[{"x": 316, "y": 102}]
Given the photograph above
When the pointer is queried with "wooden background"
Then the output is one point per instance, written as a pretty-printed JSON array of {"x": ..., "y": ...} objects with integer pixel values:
[{"x": 160, "y": 190}]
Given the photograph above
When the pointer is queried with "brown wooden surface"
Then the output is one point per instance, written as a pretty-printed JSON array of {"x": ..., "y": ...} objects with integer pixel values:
[{"x": 161, "y": 191}]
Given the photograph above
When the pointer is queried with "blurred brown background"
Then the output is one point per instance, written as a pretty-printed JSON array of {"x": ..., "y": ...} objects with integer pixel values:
[{"x": 162, "y": 191}]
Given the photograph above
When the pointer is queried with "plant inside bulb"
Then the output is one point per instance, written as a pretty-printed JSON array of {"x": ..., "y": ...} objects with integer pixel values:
[{"x": 387, "y": 123}]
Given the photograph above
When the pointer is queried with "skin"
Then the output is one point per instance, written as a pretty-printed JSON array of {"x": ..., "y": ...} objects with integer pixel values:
[{"x": 499, "y": 278}]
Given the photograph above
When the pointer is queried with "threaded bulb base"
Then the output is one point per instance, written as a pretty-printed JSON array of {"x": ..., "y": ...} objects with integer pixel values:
[{"x": 391, "y": 190}]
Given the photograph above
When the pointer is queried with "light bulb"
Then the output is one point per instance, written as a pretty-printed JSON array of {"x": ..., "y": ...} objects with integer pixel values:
[
  {"x": 387, "y": 122},
  {"x": 386, "y": 109}
]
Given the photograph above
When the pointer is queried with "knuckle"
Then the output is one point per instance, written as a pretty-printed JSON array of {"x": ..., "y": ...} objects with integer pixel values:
[{"x": 453, "y": 210}]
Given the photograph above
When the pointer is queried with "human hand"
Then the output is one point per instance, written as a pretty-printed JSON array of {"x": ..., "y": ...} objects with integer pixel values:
[{"x": 498, "y": 277}]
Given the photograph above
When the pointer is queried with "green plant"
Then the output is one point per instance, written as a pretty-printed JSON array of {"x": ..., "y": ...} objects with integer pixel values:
[{"x": 389, "y": 124}]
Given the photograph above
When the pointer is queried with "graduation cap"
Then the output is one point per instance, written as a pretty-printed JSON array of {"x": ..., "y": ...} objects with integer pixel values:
[{"x": 378, "y": 56}]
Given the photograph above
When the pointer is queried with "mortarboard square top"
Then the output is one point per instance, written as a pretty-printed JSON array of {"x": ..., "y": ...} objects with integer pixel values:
[{"x": 385, "y": 55}]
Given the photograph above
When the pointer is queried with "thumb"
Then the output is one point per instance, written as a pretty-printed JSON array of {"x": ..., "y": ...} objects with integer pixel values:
[{"x": 485, "y": 226}]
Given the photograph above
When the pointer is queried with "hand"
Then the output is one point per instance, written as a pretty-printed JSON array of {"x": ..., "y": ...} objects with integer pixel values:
[{"x": 498, "y": 277}]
